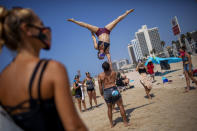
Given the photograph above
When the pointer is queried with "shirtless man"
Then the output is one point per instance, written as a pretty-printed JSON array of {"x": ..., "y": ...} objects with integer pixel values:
[{"x": 110, "y": 92}]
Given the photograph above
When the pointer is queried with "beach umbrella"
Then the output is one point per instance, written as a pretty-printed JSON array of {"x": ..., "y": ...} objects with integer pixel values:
[
  {"x": 173, "y": 60},
  {"x": 153, "y": 59},
  {"x": 157, "y": 60}
]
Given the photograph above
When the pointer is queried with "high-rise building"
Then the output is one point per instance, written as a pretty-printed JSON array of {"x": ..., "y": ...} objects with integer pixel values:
[
  {"x": 131, "y": 54},
  {"x": 116, "y": 65},
  {"x": 148, "y": 39},
  {"x": 123, "y": 62},
  {"x": 135, "y": 52}
]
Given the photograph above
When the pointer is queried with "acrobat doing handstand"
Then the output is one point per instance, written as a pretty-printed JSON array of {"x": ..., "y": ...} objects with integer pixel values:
[{"x": 103, "y": 35}]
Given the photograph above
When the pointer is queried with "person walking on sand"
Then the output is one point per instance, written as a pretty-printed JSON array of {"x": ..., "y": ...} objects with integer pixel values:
[
  {"x": 90, "y": 86},
  {"x": 79, "y": 93},
  {"x": 187, "y": 67},
  {"x": 110, "y": 93},
  {"x": 150, "y": 68},
  {"x": 145, "y": 80},
  {"x": 35, "y": 92},
  {"x": 103, "y": 35}
]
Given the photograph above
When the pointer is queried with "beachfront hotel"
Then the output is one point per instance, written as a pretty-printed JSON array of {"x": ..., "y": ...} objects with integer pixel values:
[
  {"x": 116, "y": 65},
  {"x": 148, "y": 40},
  {"x": 134, "y": 51}
]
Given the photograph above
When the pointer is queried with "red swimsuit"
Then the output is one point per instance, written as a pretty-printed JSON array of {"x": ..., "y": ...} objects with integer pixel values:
[{"x": 101, "y": 31}]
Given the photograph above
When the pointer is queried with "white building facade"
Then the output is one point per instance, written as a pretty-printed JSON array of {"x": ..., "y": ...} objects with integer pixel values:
[
  {"x": 134, "y": 51},
  {"x": 116, "y": 65},
  {"x": 148, "y": 40}
]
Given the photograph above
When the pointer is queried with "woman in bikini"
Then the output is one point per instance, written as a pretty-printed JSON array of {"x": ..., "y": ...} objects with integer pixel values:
[
  {"x": 35, "y": 92},
  {"x": 187, "y": 67},
  {"x": 103, "y": 35},
  {"x": 90, "y": 85}
]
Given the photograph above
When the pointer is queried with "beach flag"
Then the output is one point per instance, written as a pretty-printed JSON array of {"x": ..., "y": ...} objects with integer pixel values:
[
  {"x": 164, "y": 79},
  {"x": 175, "y": 26}
]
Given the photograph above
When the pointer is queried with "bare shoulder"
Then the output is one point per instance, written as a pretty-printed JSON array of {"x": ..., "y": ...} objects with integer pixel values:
[
  {"x": 101, "y": 75},
  {"x": 56, "y": 69},
  {"x": 113, "y": 72},
  {"x": 56, "y": 66}
]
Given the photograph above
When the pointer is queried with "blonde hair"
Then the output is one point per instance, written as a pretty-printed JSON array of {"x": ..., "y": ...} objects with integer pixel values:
[{"x": 10, "y": 21}]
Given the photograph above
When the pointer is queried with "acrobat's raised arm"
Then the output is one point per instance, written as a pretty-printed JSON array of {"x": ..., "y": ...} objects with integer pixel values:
[
  {"x": 109, "y": 60},
  {"x": 94, "y": 41}
]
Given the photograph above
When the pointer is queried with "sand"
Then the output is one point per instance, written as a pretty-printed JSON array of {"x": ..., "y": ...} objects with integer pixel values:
[{"x": 169, "y": 110}]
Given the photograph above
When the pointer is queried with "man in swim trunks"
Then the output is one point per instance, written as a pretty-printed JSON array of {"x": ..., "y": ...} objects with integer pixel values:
[{"x": 109, "y": 91}]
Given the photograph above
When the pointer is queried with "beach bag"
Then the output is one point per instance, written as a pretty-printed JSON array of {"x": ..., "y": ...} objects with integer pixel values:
[
  {"x": 195, "y": 72},
  {"x": 73, "y": 91},
  {"x": 6, "y": 122},
  {"x": 164, "y": 65}
]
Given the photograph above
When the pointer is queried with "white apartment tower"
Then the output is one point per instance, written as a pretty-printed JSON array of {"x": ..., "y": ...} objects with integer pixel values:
[
  {"x": 131, "y": 54},
  {"x": 148, "y": 40},
  {"x": 116, "y": 65},
  {"x": 135, "y": 52}
]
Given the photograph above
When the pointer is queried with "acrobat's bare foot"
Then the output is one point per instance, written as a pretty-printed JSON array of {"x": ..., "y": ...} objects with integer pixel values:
[
  {"x": 71, "y": 20},
  {"x": 129, "y": 11}
]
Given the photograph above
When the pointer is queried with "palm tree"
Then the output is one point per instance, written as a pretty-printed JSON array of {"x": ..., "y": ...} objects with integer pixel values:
[
  {"x": 178, "y": 45},
  {"x": 188, "y": 36},
  {"x": 151, "y": 52},
  {"x": 183, "y": 39},
  {"x": 154, "y": 51},
  {"x": 173, "y": 42},
  {"x": 163, "y": 43}
]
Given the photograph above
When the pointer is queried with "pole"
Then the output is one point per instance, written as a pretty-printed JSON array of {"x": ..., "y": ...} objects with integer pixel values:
[{"x": 179, "y": 38}]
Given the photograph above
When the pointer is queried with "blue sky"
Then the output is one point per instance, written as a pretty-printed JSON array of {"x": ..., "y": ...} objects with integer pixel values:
[{"x": 72, "y": 45}]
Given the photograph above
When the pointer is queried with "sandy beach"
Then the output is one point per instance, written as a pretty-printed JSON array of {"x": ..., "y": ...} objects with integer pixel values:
[{"x": 169, "y": 110}]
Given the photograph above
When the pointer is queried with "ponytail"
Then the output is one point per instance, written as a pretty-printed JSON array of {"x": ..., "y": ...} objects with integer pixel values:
[
  {"x": 10, "y": 21},
  {"x": 3, "y": 13}
]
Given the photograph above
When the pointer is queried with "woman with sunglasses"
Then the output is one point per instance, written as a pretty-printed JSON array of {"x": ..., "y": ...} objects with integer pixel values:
[
  {"x": 90, "y": 84},
  {"x": 187, "y": 67},
  {"x": 35, "y": 92},
  {"x": 79, "y": 92},
  {"x": 103, "y": 35}
]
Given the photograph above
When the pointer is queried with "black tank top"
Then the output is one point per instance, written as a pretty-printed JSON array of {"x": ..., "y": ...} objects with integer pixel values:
[
  {"x": 142, "y": 70},
  {"x": 42, "y": 114},
  {"x": 78, "y": 90}
]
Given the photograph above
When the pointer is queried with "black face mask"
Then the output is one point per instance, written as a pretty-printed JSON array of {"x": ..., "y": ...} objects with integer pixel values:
[{"x": 41, "y": 36}]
